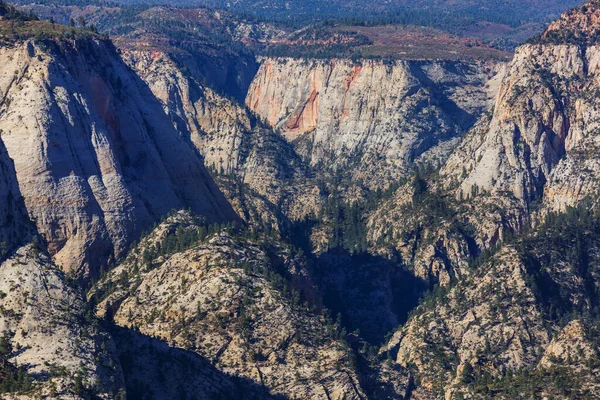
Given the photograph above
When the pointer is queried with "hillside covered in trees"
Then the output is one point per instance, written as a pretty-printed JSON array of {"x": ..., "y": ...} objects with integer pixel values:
[{"x": 503, "y": 23}]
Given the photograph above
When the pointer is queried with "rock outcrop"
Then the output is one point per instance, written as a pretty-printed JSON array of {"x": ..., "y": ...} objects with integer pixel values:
[
  {"x": 436, "y": 235},
  {"x": 535, "y": 150},
  {"x": 96, "y": 159},
  {"x": 153, "y": 369},
  {"x": 483, "y": 336},
  {"x": 531, "y": 128},
  {"x": 509, "y": 321},
  {"x": 212, "y": 122},
  {"x": 267, "y": 173},
  {"x": 480, "y": 312}
]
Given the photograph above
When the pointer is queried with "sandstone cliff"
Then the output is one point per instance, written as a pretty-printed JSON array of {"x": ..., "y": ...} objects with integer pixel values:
[
  {"x": 212, "y": 122},
  {"x": 532, "y": 154},
  {"x": 96, "y": 159},
  {"x": 370, "y": 119},
  {"x": 517, "y": 317},
  {"x": 540, "y": 141}
]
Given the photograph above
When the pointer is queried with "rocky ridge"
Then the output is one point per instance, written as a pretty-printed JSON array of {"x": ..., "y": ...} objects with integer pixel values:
[
  {"x": 264, "y": 179},
  {"x": 532, "y": 154},
  {"x": 221, "y": 298},
  {"x": 518, "y": 316},
  {"x": 540, "y": 142},
  {"x": 527, "y": 309}
]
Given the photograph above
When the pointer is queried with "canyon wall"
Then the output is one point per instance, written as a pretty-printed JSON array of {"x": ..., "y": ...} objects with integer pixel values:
[
  {"x": 96, "y": 159},
  {"x": 375, "y": 117}
]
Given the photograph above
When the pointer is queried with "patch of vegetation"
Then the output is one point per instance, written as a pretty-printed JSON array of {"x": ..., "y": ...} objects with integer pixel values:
[
  {"x": 555, "y": 382},
  {"x": 569, "y": 240},
  {"x": 43, "y": 32},
  {"x": 13, "y": 379},
  {"x": 422, "y": 12}
]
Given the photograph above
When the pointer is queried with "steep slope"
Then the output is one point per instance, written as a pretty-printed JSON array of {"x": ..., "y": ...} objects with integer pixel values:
[
  {"x": 519, "y": 316},
  {"x": 370, "y": 119},
  {"x": 435, "y": 234},
  {"x": 96, "y": 158},
  {"x": 236, "y": 300},
  {"x": 265, "y": 180},
  {"x": 532, "y": 127},
  {"x": 540, "y": 141},
  {"x": 199, "y": 80},
  {"x": 212, "y": 122},
  {"x": 234, "y": 312},
  {"x": 536, "y": 151}
]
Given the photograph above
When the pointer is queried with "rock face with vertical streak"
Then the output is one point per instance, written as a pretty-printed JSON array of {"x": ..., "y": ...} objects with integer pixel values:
[
  {"x": 96, "y": 158},
  {"x": 371, "y": 119},
  {"x": 212, "y": 122},
  {"x": 232, "y": 142}
]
